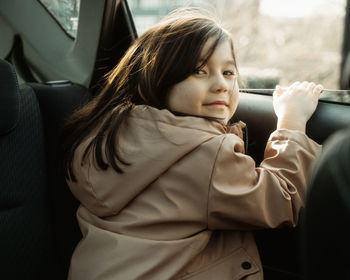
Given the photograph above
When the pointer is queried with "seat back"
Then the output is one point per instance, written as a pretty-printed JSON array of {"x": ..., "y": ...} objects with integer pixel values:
[
  {"x": 38, "y": 228},
  {"x": 324, "y": 238},
  {"x": 57, "y": 101},
  {"x": 25, "y": 234}
]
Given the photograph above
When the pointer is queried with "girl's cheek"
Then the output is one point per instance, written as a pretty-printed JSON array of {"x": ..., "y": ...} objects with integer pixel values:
[{"x": 192, "y": 98}]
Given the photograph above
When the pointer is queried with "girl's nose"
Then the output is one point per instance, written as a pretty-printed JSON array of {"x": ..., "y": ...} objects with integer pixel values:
[{"x": 219, "y": 84}]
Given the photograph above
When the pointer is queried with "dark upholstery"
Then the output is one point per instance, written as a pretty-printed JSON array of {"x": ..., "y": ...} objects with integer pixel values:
[
  {"x": 56, "y": 104},
  {"x": 38, "y": 228},
  {"x": 9, "y": 98},
  {"x": 26, "y": 247},
  {"x": 326, "y": 223}
]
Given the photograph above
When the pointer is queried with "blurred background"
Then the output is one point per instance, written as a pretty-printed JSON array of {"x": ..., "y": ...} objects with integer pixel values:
[{"x": 276, "y": 42}]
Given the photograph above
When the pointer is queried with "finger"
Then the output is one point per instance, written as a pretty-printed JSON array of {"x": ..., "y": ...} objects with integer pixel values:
[
  {"x": 318, "y": 89},
  {"x": 292, "y": 86},
  {"x": 304, "y": 84},
  {"x": 295, "y": 84},
  {"x": 311, "y": 86},
  {"x": 278, "y": 91}
]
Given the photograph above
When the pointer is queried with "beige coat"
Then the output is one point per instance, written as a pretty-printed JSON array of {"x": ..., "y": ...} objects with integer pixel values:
[{"x": 185, "y": 206}]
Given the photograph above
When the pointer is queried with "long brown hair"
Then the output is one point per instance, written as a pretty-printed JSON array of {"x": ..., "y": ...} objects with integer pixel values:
[{"x": 163, "y": 56}]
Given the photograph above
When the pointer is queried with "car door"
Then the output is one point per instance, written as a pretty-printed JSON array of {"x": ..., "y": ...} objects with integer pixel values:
[{"x": 47, "y": 42}]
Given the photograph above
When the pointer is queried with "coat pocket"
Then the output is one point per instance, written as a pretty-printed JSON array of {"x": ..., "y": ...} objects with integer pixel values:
[{"x": 237, "y": 265}]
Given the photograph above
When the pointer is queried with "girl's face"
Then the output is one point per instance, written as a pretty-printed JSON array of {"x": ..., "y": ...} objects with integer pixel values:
[{"x": 212, "y": 90}]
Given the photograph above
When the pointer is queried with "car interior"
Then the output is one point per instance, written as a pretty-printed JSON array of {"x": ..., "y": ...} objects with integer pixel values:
[{"x": 46, "y": 74}]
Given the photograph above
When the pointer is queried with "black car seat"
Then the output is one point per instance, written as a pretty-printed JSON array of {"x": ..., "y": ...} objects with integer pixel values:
[
  {"x": 25, "y": 231},
  {"x": 326, "y": 223},
  {"x": 38, "y": 230},
  {"x": 57, "y": 101}
]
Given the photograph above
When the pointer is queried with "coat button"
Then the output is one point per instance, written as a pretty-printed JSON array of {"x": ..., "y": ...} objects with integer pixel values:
[{"x": 246, "y": 265}]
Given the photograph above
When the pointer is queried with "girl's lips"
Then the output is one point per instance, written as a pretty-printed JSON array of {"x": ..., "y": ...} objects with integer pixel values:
[{"x": 217, "y": 103}]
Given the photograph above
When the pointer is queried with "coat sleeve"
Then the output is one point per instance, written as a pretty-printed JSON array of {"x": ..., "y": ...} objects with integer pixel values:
[{"x": 242, "y": 196}]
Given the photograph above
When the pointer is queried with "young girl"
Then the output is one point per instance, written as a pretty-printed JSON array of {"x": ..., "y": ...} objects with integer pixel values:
[{"x": 166, "y": 190}]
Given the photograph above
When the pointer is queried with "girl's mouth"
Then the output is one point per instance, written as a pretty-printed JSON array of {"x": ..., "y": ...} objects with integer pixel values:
[{"x": 218, "y": 104}]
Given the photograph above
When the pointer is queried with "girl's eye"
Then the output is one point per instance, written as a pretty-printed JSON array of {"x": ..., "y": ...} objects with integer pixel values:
[
  {"x": 199, "y": 72},
  {"x": 229, "y": 73}
]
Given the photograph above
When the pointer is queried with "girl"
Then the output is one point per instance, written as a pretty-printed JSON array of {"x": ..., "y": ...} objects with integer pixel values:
[{"x": 166, "y": 190}]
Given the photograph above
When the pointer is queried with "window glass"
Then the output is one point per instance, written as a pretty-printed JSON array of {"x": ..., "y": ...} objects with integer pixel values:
[
  {"x": 276, "y": 42},
  {"x": 66, "y": 12}
]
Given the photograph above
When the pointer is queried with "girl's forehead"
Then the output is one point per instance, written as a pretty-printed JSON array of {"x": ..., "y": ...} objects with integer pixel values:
[
  {"x": 223, "y": 50},
  {"x": 207, "y": 47}
]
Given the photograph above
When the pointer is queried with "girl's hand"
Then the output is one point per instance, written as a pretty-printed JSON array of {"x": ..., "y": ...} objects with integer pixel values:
[{"x": 295, "y": 105}]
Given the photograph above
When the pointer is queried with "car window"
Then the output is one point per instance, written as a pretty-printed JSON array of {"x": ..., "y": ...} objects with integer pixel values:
[
  {"x": 65, "y": 12},
  {"x": 276, "y": 42}
]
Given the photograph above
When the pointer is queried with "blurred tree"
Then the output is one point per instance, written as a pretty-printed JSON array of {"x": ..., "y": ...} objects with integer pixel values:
[{"x": 65, "y": 12}]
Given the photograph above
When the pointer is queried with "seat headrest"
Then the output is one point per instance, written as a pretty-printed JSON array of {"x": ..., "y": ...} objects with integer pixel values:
[{"x": 9, "y": 98}]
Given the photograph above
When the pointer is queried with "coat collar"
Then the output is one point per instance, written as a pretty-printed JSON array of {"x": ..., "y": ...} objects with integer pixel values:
[{"x": 193, "y": 122}]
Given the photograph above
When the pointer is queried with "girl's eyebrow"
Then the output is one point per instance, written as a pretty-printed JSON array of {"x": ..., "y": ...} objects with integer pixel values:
[{"x": 231, "y": 62}]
